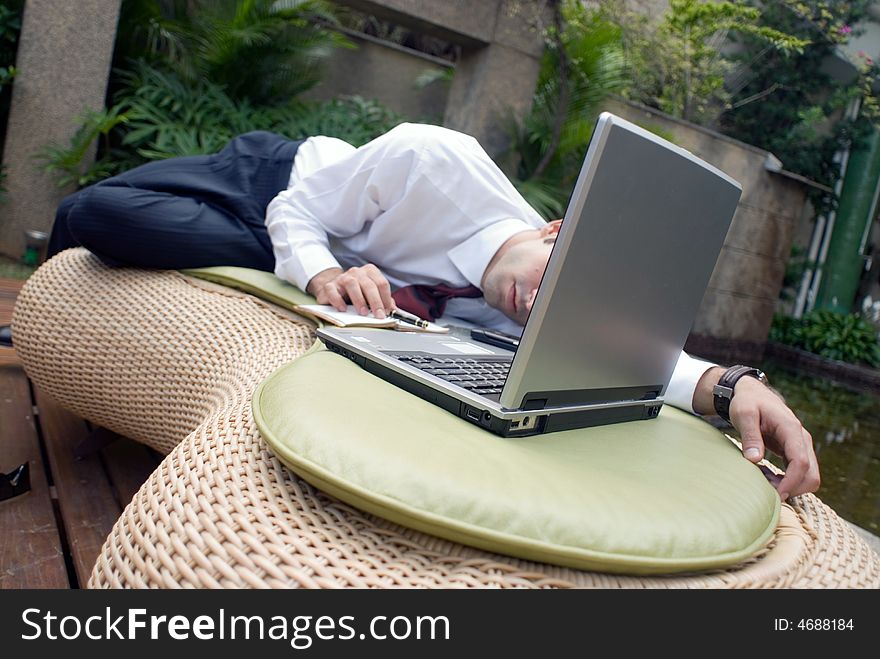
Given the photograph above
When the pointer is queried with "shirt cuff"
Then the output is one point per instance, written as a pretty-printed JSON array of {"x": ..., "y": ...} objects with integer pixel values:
[
  {"x": 305, "y": 263},
  {"x": 683, "y": 383}
]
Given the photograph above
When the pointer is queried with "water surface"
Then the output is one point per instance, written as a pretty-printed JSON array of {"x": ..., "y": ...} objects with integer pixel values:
[{"x": 845, "y": 425}]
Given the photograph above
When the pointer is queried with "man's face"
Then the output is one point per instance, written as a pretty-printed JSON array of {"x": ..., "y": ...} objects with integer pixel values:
[{"x": 512, "y": 277}]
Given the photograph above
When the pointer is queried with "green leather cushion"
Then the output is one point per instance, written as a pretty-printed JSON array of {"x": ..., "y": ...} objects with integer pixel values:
[
  {"x": 264, "y": 285},
  {"x": 666, "y": 495}
]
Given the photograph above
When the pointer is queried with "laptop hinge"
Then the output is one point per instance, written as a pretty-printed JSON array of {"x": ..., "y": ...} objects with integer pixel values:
[{"x": 539, "y": 400}]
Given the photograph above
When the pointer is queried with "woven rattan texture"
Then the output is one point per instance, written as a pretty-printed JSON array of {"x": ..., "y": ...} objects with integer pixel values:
[
  {"x": 155, "y": 357},
  {"x": 147, "y": 354}
]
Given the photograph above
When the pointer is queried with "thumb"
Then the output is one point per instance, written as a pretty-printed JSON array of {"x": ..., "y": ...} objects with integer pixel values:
[{"x": 750, "y": 433}]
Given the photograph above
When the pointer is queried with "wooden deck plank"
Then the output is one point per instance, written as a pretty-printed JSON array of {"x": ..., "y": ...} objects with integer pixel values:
[
  {"x": 8, "y": 292},
  {"x": 31, "y": 553},
  {"x": 92, "y": 491},
  {"x": 85, "y": 496}
]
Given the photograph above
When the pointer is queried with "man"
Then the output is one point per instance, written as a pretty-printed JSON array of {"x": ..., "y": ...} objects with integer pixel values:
[{"x": 418, "y": 210}]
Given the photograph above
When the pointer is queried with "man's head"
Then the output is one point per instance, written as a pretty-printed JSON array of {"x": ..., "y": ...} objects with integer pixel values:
[{"x": 511, "y": 279}]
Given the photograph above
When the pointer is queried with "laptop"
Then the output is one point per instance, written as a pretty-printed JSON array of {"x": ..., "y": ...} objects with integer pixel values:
[{"x": 642, "y": 232}]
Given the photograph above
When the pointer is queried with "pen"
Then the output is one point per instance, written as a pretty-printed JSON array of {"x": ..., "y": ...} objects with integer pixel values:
[
  {"x": 408, "y": 317},
  {"x": 495, "y": 338}
]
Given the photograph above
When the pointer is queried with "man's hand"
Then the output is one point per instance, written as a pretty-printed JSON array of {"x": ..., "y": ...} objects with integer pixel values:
[
  {"x": 365, "y": 287},
  {"x": 764, "y": 420}
]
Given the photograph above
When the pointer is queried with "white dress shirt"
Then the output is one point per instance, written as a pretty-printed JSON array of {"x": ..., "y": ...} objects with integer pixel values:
[{"x": 347, "y": 207}]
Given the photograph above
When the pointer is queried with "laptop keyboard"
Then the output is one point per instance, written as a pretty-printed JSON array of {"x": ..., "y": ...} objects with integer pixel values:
[{"x": 484, "y": 376}]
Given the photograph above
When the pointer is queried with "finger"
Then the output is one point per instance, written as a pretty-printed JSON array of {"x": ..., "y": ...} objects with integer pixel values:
[
  {"x": 790, "y": 437},
  {"x": 749, "y": 427},
  {"x": 811, "y": 480},
  {"x": 384, "y": 289},
  {"x": 372, "y": 296},
  {"x": 334, "y": 297},
  {"x": 382, "y": 286},
  {"x": 353, "y": 289}
]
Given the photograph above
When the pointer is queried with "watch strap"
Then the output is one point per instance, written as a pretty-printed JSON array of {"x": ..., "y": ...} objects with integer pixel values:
[{"x": 722, "y": 393}]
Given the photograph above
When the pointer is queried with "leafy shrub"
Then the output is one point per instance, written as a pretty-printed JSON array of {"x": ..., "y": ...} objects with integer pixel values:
[
  {"x": 263, "y": 50},
  {"x": 681, "y": 64},
  {"x": 592, "y": 58},
  {"x": 192, "y": 74},
  {"x": 68, "y": 163},
  {"x": 350, "y": 118},
  {"x": 158, "y": 115},
  {"x": 790, "y": 104},
  {"x": 848, "y": 338},
  {"x": 10, "y": 26}
]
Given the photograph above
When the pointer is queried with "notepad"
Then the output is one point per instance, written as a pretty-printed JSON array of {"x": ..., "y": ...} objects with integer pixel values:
[{"x": 351, "y": 318}]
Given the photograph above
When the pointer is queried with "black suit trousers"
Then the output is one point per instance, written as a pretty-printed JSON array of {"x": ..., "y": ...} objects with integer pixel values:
[{"x": 188, "y": 212}]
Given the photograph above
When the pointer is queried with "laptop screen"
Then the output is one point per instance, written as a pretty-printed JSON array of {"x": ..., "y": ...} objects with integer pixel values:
[{"x": 641, "y": 235}]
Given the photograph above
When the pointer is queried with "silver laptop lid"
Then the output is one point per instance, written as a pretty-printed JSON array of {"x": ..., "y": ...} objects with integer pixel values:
[{"x": 641, "y": 235}]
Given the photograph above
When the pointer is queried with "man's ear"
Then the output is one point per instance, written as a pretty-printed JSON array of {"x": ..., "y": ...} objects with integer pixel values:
[{"x": 551, "y": 228}]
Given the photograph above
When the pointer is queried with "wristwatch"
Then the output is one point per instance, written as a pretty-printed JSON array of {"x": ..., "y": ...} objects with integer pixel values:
[{"x": 723, "y": 391}]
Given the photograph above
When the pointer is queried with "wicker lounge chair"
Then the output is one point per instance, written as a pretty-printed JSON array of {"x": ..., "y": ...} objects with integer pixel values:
[{"x": 172, "y": 361}]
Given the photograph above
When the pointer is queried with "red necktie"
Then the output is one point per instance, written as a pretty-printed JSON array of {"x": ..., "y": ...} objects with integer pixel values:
[{"x": 429, "y": 302}]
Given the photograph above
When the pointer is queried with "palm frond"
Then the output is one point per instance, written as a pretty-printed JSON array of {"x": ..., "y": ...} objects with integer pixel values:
[{"x": 596, "y": 67}]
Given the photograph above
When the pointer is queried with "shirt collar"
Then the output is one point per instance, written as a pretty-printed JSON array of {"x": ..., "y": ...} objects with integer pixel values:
[{"x": 473, "y": 255}]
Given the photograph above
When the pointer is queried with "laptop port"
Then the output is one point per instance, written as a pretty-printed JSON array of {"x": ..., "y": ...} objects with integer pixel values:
[
  {"x": 473, "y": 414},
  {"x": 525, "y": 423}
]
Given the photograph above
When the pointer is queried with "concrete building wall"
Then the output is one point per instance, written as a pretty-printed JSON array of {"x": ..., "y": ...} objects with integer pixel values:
[
  {"x": 502, "y": 42},
  {"x": 385, "y": 72},
  {"x": 64, "y": 58},
  {"x": 460, "y": 21},
  {"x": 742, "y": 295}
]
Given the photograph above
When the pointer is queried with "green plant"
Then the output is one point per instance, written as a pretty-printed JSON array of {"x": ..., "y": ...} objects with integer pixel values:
[
  {"x": 798, "y": 263},
  {"x": 429, "y": 77},
  {"x": 582, "y": 64},
  {"x": 7, "y": 73},
  {"x": 10, "y": 26},
  {"x": 788, "y": 104},
  {"x": 849, "y": 338},
  {"x": 350, "y": 118},
  {"x": 158, "y": 116},
  {"x": 262, "y": 50},
  {"x": 191, "y": 74},
  {"x": 680, "y": 65},
  {"x": 168, "y": 116},
  {"x": 67, "y": 163}
]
